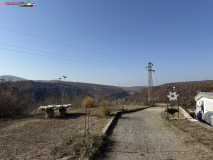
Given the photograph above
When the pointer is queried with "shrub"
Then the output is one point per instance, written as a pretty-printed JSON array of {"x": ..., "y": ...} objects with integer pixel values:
[
  {"x": 105, "y": 108},
  {"x": 84, "y": 145},
  {"x": 88, "y": 102},
  {"x": 15, "y": 99}
]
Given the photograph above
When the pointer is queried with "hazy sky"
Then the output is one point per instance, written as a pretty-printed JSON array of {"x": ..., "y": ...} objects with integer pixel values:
[{"x": 108, "y": 41}]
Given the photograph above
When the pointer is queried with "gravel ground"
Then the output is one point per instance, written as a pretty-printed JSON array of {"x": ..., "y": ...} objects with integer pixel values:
[
  {"x": 34, "y": 138},
  {"x": 144, "y": 135}
]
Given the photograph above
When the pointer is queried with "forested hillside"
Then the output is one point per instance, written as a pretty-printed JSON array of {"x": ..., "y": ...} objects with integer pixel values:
[
  {"x": 187, "y": 92},
  {"x": 24, "y": 97}
]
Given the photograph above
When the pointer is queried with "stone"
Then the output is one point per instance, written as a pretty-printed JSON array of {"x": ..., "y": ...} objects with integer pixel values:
[
  {"x": 63, "y": 111},
  {"x": 49, "y": 113}
]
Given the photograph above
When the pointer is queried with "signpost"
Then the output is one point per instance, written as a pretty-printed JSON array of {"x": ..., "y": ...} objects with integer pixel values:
[{"x": 172, "y": 97}]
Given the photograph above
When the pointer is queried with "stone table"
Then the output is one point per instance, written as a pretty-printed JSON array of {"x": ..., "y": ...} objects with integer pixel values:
[{"x": 49, "y": 110}]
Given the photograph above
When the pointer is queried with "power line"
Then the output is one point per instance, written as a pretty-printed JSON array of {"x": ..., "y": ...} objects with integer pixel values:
[
  {"x": 69, "y": 59},
  {"x": 69, "y": 45},
  {"x": 162, "y": 89},
  {"x": 64, "y": 55}
]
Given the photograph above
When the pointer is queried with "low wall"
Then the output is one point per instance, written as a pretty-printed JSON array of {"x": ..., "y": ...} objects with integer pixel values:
[{"x": 187, "y": 115}]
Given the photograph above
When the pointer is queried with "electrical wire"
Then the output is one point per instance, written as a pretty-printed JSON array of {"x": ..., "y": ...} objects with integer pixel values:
[
  {"x": 69, "y": 45},
  {"x": 64, "y": 55},
  {"x": 69, "y": 59}
]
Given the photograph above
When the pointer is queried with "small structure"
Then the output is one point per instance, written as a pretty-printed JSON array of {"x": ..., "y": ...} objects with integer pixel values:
[
  {"x": 206, "y": 99},
  {"x": 208, "y": 117},
  {"x": 49, "y": 110}
]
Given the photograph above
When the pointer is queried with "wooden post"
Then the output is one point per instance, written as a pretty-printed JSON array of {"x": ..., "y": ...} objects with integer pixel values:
[
  {"x": 88, "y": 118},
  {"x": 85, "y": 126},
  {"x": 86, "y": 121}
]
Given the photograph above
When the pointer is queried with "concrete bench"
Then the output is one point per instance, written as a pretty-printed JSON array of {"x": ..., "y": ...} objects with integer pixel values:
[{"x": 49, "y": 110}]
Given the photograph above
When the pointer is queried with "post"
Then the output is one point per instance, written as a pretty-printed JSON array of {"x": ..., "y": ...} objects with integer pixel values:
[
  {"x": 167, "y": 102},
  {"x": 172, "y": 102},
  {"x": 178, "y": 102},
  {"x": 88, "y": 118},
  {"x": 63, "y": 111},
  {"x": 86, "y": 122},
  {"x": 49, "y": 113}
]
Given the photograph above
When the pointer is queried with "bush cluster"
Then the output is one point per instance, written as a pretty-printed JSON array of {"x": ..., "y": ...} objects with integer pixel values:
[
  {"x": 88, "y": 102},
  {"x": 14, "y": 99},
  {"x": 105, "y": 108}
]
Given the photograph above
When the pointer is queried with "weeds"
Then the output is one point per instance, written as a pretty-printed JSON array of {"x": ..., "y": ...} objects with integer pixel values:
[
  {"x": 105, "y": 112},
  {"x": 198, "y": 132},
  {"x": 79, "y": 146},
  {"x": 85, "y": 145},
  {"x": 105, "y": 109}
]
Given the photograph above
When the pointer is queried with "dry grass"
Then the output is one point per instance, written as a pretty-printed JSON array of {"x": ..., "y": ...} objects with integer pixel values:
[
  {"x": 80, "y": 145},
  {"x": 91, "y": 145},
  {"x": 198, "y": 132},
  {"x": 36, "y": 137}
]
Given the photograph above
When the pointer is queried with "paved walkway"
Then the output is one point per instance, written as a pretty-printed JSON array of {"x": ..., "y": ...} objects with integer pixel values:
[{"x": 143, "y": 135}]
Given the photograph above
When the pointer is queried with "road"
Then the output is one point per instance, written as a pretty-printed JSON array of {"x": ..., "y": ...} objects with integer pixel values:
[{"x": 144, "y": 135}]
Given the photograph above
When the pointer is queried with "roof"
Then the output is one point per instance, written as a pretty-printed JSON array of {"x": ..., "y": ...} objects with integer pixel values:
[{"x": 203, "y": 94}]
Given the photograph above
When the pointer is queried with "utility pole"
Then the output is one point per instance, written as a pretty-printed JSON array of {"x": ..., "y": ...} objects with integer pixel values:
[
  {"x": 62, "y": 90},
  {"x": 150, "y": 82}
]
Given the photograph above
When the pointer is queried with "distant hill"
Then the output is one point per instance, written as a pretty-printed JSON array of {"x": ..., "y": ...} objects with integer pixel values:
[
  {"x": 40, "y": 88},
  {"x": 12, "y": 78},
  {"x": 133, "y": 89},
  {"x": 187, "y": 91}
]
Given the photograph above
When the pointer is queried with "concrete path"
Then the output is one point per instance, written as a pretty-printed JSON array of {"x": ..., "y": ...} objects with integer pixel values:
[{"x": 143, "y": 135}]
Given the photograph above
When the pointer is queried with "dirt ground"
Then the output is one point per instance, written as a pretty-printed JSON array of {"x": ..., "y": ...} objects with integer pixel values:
[
  {"x": 34, "y": 138},
  {"x": 145, "y": 135}
]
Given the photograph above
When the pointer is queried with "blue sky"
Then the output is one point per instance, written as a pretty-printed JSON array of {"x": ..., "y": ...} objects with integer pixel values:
[{"x": 175, "y": 35}]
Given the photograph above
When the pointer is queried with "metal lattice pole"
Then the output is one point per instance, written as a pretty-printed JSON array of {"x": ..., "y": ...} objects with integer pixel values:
[{"x": 150, "y": 82}]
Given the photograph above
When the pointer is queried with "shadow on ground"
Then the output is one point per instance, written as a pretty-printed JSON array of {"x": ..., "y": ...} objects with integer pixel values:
[
  {"x": 114, "y": 123},
  {"x": 70, "y": 116}
]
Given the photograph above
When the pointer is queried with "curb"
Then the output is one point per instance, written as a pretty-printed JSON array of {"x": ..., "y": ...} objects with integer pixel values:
[
  {"x": 187, "y": 115},
  {"x": 105, "y": 131},
  {"x": 106, "y": 128}
]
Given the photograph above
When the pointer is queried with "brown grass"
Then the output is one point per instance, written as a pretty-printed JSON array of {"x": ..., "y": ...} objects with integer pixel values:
[
  {"x": 38, "y": 138},
  {"x": 91, "y": 145},
  {"x": 198, "y": 132}
]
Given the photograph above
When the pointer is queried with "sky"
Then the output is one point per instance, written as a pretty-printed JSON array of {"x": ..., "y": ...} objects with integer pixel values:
[{"x": 108, "y": 41}]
